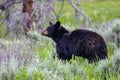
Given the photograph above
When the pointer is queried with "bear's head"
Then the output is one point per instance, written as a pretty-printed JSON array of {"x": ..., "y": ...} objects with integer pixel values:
[{"x": 55, "y": 31}]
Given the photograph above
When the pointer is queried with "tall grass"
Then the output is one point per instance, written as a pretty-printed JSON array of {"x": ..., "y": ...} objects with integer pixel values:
[{"x": 35, "y": 59}]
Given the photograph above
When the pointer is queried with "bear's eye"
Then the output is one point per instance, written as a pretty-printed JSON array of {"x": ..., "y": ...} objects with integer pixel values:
[
  {"x": 60, "y": 28},
  {"x": 51, "y": 30}
]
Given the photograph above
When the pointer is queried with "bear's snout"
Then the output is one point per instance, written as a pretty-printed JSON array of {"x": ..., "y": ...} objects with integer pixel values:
[{"x": 45, "y": 33}]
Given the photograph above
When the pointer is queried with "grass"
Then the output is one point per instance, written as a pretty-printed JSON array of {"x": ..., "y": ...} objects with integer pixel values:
[
  {"x": 97, "y": 11},
  {"x": 2, "y": 30},
  {"x": 102, "y": 11},
  {"x": 42, "y": 66}
]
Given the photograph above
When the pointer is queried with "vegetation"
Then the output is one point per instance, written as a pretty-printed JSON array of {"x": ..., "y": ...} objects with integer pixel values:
[
  {"x": 98, "y": 13},
  {"x": 31, "y": 59},
  {"x": 102, "y": 12},
  {"x": 35, "y": 58}
]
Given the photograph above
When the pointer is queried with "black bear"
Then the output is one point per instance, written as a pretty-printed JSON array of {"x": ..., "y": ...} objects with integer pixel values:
[{"x": 84, "y": 43}]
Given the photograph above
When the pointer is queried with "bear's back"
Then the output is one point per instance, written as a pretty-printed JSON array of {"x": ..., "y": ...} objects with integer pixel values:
[{"x": 85, "y": 35}]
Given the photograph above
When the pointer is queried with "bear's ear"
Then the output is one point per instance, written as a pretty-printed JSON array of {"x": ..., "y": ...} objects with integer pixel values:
[
  {"x": 57, "y": 24},
  {"x": 50, "y": 23}
]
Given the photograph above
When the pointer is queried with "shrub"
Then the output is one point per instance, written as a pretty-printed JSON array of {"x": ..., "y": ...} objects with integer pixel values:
[{"x": 111, "y": 31}]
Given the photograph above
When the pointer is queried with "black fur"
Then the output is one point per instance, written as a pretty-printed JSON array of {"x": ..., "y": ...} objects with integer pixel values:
[{"x": 84, "y": 43}]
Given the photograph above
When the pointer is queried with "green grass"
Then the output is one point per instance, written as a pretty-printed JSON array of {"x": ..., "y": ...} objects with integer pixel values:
[
  {"x": 42, "y": 65},
  {"x": 102, "y": 11},
  {"x": 2, "y": 30},
  {"x": 97, "y": 11}
]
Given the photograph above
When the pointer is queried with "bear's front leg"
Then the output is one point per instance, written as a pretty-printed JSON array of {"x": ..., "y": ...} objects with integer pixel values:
[{"x": 63, "y": 54}]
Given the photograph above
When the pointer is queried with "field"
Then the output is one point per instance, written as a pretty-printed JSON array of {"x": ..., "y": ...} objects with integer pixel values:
[{"x": 35, "y": 58}]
